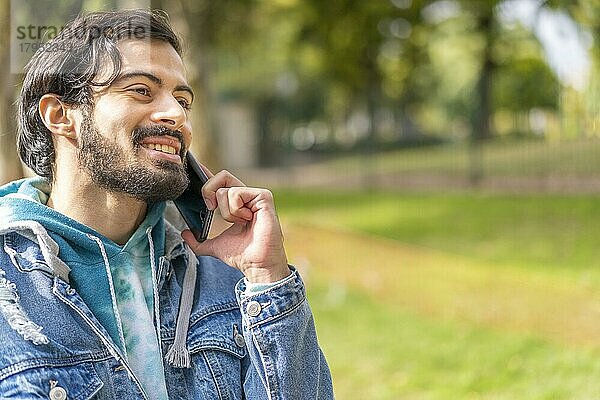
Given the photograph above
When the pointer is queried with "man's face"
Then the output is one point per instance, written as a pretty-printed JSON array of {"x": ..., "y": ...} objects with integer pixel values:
[{"x": 135, "y": 137}]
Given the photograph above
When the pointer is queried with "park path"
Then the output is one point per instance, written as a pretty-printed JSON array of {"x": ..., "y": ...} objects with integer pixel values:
[
  {"x": 319, "y": 177},
  {"x": 443, "y": 285}
]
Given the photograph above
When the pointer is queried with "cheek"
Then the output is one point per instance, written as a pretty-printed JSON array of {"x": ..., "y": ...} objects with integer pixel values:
[
  {"x": 113, "y": 117},
  {"x": 115, "y": 127},
  {"x": 187, "y": 134}
]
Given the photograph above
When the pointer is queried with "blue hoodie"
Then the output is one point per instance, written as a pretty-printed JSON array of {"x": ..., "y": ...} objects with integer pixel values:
[{"x": 116, "y": 282}]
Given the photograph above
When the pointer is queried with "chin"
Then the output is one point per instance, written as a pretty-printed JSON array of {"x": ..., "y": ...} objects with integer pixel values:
[{"x": 162, "y": 182}]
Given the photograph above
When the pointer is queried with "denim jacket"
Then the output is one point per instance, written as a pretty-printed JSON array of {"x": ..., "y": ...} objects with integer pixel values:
[{"x": 242, "y": 346}]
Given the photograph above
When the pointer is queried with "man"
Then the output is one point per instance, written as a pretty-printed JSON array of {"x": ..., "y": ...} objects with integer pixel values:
[{"x": 100, "y": 296}]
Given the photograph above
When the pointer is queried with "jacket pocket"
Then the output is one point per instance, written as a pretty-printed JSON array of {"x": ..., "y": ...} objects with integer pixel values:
[
  {"x": 79, "y": 382},
  {"x": 217, "y": 350},
  {"x": 216, "y": 373}
]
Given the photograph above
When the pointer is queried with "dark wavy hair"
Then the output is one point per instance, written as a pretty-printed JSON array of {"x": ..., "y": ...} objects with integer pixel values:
[{"x": 68, "y": 66}]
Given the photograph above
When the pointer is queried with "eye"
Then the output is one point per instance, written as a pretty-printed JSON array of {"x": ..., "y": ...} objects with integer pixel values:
[
  {"x": 144, "y": 91},
  {"x": 184, "y": 103}
]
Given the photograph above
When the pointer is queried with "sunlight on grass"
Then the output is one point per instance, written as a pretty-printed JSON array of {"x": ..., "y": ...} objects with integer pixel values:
[
  {"x": 511, "y": 158},
  {"x": 443, "y": 285},
  {"x": 541, "y": 232},
  {"x": 379, "y": 352},
  {"x": 451, "y": 296}
]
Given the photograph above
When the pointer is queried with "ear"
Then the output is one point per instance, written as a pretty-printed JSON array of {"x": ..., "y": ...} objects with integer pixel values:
[{"x": 58, "y": 117}]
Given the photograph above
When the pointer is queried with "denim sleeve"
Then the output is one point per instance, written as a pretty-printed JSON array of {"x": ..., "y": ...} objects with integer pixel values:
[{"x": 285, "y": 359}]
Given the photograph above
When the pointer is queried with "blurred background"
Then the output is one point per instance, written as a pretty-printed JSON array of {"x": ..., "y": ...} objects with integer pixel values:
[{"x": 435, "y": 165}]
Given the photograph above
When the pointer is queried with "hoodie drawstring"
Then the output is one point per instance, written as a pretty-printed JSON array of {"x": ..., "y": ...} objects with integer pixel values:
[
  {"x": 154, "y": 281},
  {"x": 112, "y": 289},
  {"x": 178, "y": 355}
]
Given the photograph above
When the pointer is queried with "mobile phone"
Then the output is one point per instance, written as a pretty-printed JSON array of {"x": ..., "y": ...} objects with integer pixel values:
[{"x": 191, "y": 205}]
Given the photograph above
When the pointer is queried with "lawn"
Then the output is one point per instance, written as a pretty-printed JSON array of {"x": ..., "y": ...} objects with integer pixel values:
[
  {"x": 377, "y": 351},
  {"x": 500, "y": 158},
  {"x": 451, "y": 296},
  {"x": 546, "y": 232}
]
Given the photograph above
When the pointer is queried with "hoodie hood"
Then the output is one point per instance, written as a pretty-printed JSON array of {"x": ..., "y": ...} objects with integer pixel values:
[
  {"x": 26, "y": 199},
  {"x": 77, "y": 253},
  {"x": 117, "y": 283}
]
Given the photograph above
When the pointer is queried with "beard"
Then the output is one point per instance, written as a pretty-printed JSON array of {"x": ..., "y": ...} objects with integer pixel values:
[{"x": 113, "y": 168}]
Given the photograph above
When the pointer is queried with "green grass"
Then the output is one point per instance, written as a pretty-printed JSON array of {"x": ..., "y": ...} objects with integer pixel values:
[
  {"x": 536, "y": 231},
  {"x": 510, "y": 158},
  {"x": 377, "y": 351},
  {"x": 463, "y": 297}
]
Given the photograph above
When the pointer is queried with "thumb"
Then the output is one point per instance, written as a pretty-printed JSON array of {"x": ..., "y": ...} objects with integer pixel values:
[{"x": 199, "y": 248}]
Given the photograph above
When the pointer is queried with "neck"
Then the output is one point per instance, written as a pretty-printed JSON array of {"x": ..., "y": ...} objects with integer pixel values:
[{"x": 114, "y": 215}]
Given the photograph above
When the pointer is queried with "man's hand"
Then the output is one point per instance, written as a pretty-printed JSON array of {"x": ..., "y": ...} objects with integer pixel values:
[{"x": 254, "y": 243}]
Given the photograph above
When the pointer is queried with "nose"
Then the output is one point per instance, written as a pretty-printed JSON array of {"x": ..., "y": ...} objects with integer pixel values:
[{"x": 170, "y": 113}]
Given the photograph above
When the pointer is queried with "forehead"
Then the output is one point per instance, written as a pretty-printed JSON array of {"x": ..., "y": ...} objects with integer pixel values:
[{"x": 153, "y": 56}]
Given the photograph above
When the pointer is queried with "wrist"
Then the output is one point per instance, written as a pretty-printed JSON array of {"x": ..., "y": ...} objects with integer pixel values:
[{"x": 267, "y": 275}]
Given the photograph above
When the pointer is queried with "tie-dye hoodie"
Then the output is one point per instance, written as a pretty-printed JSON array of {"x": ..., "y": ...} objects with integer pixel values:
[{"x": 116, "y": 282}]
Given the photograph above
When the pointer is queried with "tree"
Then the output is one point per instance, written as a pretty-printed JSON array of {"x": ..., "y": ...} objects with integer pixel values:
[
  {"x": 206, "y": 25},
  {"x": 586, "y": 13},
  {"x": 10, "y": 166},
  {"x": 29, "y": 12}
]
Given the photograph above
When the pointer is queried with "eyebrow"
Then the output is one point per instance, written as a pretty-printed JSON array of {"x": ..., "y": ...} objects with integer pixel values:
[{"x": 153, "y": 78}]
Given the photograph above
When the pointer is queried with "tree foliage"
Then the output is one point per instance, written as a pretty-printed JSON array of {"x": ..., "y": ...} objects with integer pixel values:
[{"x": 441, "y": 67}]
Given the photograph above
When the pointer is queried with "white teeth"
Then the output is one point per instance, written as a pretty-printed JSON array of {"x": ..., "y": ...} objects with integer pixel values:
[{"x": 161, "y": 147}]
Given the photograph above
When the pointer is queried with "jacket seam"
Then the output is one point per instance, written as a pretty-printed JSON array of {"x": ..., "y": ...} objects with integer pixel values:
[
  {"x": 169, "y": 333},
  {"x": 212, "y": 373},
  {"x": 264, "y": 364},
  {"x": 104, "y": 340},
  {"x": 276, "y": 316},
  {"x": 50, "y": 362},
  {"x": 223, "y": 307},
  {"x": 195, "y": 350}
]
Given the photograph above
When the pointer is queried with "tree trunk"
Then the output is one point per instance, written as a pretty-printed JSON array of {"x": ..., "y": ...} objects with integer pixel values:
[
  {"x": 481, "y": 122},
  {"x": 481, "y": 127},
  {"x": 10, "y": 165},
  {"x": 372, "y": 95},
  {"x": 199, "y": 63}
]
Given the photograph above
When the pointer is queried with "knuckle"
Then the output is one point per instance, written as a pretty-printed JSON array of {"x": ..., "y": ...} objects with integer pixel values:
[
  {"x": 236, "y": 192},
  {"x": 224, "y": 172},
  {"x": 267, "y": 194},
  {"x": 225, "y": 214}
]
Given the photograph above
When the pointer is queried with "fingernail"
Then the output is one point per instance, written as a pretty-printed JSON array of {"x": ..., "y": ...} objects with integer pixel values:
[{"x": 209, "y": 203}]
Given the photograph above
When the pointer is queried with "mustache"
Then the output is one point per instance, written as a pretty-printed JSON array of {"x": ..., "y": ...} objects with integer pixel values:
[{"x": 143, "y": 132}]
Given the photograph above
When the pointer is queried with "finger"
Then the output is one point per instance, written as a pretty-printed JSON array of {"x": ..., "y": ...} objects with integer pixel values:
[
  {"x": 238, "y": 197},
  {"x": 222, "y": 196},
  {"x": 199, "y": 248},
  {"x": 222, "y": 179},
  {"x": 218, "y": 247},
  {"x": 223, "y": 204},
  {"x": 263, "y": 198}
]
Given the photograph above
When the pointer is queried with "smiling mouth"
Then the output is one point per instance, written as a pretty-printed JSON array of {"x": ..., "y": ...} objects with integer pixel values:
[{"x": 164, "y": 148}]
